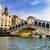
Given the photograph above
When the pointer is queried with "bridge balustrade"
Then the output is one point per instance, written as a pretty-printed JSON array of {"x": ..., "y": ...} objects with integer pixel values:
[
  {"x": 40, "y": 24},
  {"x": 10, "y": 28},
  {"x": 13, "y": 27},
  {"x": 26, "y": 23},
  {"x": 35, "y": 22},
  {"x": 22, "y": 24},
  {"x": 18, "y": 25},
  {"x": 43, "y": 25},
  {"x": 47, "y": 25}
]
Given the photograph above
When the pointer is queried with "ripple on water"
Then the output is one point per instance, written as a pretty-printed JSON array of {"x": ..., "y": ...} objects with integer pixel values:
[{"x": 27, "y": 43}]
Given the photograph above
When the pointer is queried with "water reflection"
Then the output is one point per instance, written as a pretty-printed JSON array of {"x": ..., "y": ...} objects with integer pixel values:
[{"x": 24, "y": 43}]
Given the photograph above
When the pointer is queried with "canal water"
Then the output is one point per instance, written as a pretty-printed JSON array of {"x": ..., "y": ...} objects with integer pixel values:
[{"x": 24, "y": 43}]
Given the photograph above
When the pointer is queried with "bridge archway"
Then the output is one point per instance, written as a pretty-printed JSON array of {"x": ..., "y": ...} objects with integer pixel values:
[
  {"x": 16, "y": 26},
  {"x": 19, "y": 25},
  {"x": 26, "y": 31},
  {"x": 39, "y": 23},
  {"x": 43, "y": 25},
  {"x": 35, "y": 22},
  {"x": 13, "y": 27},
  {"x": 26, "y": 23},
  {"x": 10, "y": 28},
  {"x": 47, "y": 25},
  {"x": 22, "y": 24}
]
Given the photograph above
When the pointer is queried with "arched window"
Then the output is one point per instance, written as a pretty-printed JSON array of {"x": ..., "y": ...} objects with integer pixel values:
[
  {"x": 10, "y": 28},
  {"x": 16, "y": 26},
  {"x": 47, "y": 25},
  {"x": 35, "y": 22},
  {"x": 43, "y": 25},
  {"x": 19, "y": 25},
  {"x": 39, "y": 23},
  {"x": 26, "y": 23},
  {"x": 13, "y": 27},
  {"x": 22, "y": 24}
]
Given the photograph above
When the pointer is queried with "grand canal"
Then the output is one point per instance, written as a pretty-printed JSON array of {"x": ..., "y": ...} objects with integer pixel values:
[{"x": 24, "y": 43}]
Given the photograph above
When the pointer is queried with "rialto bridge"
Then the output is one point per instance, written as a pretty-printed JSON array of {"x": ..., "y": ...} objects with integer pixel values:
[{"x": 32, "y": 22}]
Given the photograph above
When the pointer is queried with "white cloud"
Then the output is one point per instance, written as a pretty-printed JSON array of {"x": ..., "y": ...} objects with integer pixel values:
[
  {"x": 48, "y": 0},
  {"x": 43, "y": 15},
  {"x": 36, "y": 2},
  {"x": 39, "y": 1}
]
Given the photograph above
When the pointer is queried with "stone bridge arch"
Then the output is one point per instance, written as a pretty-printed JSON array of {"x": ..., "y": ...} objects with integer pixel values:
[{"x": 24, "y": 27}]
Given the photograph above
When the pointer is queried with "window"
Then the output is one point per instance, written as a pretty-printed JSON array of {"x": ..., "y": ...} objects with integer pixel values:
[
  {"x": 17, "y": 21},
  {"x": 5, "y": 21},
  {"x": 9, "y": 22},
  {"x": 9, "y": 25},
  {"x": 2, "y": 14},
  {"x": 6, "y": 15},
  {"x": 14, "y": 23},
  {"x": 1, "y": 21},
  {"x": 5, "y": 25},
  {"x": 1, "y": 25}
]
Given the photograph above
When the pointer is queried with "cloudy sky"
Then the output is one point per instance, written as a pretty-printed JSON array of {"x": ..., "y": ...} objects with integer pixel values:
[{"x": 24, "y": 8}]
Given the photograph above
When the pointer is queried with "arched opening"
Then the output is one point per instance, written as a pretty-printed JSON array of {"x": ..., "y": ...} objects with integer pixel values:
[
  {"x": 22, "y": 24},
  {"x": 39, "y": 23},
  {"x": 10, "y": 28},
  {"x": 13, "y": 27},
  {"x": 47, "y": 25},
  {"x": 43, "y": 25},
  {"x": 16, "y": 26},
  {"x": 19, "y": 25},
  {"x": 26, "y": 23},
  {"x": 27, "y": 31},
  {"x": 35, "y": 22}
]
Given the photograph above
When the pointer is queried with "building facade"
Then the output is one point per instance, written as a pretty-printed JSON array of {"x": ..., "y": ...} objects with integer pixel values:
[
  {"x": 16, "y": 19},
  {"x": 0, "y": 13},
  {"x": 22, "y": 20},
  {"x": 6, "y": 19}
]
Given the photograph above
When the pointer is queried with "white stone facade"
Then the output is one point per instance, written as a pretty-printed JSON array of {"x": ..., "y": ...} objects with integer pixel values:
[{"x": 0, "y": 13}]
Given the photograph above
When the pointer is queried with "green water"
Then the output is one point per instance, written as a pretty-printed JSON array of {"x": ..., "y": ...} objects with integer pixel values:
[{"x": 24, "y": 43}]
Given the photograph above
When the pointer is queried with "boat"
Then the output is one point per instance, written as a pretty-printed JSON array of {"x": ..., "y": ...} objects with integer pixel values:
[
  {"x": 43, "y": 35},
  {"x": 35, "y": 34}
]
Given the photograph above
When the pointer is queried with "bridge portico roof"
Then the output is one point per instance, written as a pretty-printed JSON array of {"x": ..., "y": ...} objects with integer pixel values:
[{"x": 41, "y": 20}]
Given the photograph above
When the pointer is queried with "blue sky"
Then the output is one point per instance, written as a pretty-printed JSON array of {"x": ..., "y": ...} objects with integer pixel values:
[{"x": 24, "y": 8}]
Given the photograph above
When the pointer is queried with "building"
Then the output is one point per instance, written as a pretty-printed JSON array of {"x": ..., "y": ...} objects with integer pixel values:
[
  {"x": 22, "y": 20},
  {"x": 0, "y": 13},
  {"x": 6, "y": 19},
  {"x": 15, "y": 19},
  {"x": 30, "y": 19}
]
